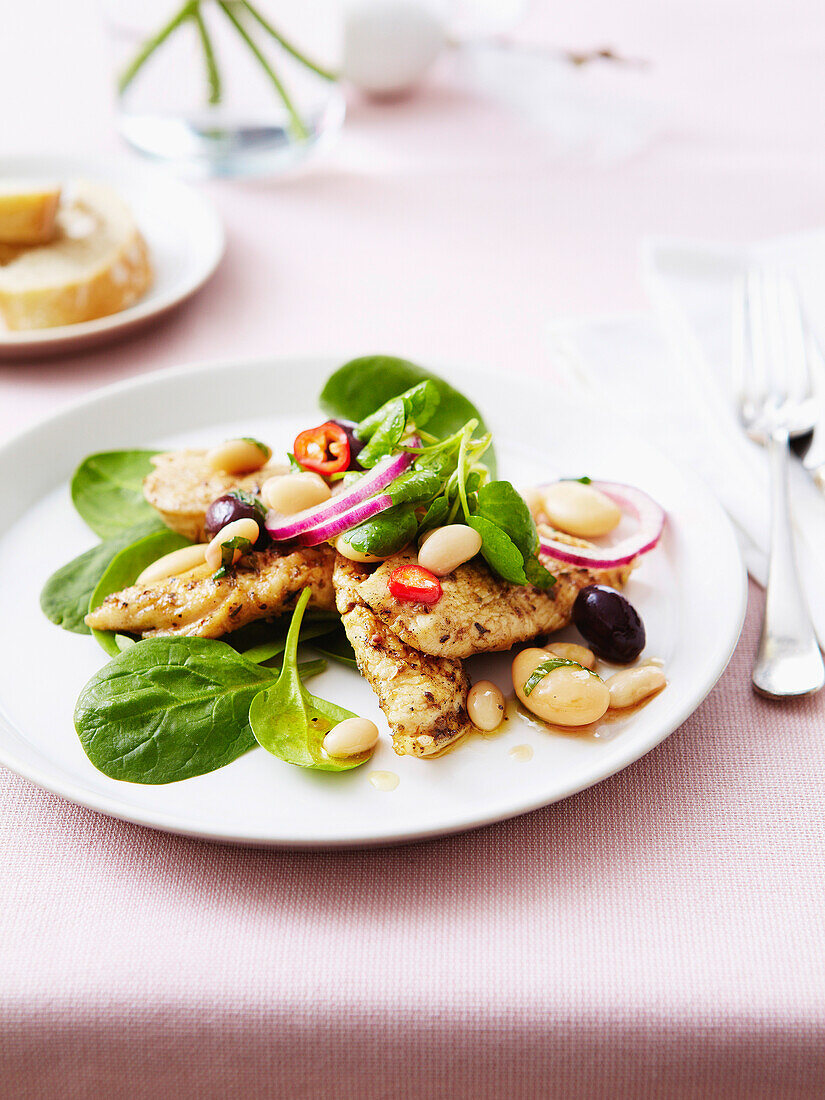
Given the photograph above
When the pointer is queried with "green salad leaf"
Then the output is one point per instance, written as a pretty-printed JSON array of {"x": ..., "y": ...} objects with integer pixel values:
[
  {"x": 66, "y": 594},
  {"x": 356, "y": 389},
  {"x": 289, "y": 722},
  {"x": 499, "y": 550},
  {"x": 386, "y": 533},
  {"x": 107, "y": 490},
  {"x": 386, "y": 436},
  {"x": 264, "y": 652},
  {"x": 124, "y": 569},
  {"x": 498, "y": 505},
  {"x": 168, "y": 709},
  {"x": 420, "y": 402}
]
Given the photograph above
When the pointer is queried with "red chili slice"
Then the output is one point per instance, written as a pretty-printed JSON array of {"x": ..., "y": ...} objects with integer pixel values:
[
  {"x": 411, "y": 582},
  {"x": 324, "y": 449}
]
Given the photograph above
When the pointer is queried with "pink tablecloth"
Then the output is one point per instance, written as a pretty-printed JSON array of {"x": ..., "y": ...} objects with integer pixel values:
[{"x": 659, "y": 935}]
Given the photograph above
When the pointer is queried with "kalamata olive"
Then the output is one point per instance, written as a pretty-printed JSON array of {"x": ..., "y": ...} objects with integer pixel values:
[
  {"x": 356, "y": 445},
  {"x": 609, "y": 623},
  {"x": 234, "y": 506}
]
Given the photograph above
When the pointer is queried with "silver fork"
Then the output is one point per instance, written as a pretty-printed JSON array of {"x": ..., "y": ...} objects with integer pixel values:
[{"x": 776, "y": 402}]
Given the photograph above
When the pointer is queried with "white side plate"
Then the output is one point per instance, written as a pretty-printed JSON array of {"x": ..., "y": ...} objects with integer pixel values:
[
  {"x": 690, "y": 592},
  {"x": 183, "y": 231}
]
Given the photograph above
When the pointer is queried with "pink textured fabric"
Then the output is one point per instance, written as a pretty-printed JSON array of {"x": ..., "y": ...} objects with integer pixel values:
[{"x": 660, "y": 935}]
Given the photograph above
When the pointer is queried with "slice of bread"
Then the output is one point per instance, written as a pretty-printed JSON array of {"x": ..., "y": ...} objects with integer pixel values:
[
  {"x": 27, "y": 211},
  {"x": 97, "y": 264}
]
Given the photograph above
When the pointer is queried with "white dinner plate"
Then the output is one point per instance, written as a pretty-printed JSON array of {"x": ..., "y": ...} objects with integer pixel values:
[
  {"x": 690, "y": 592},
  {"x": 182, "y": 229}
]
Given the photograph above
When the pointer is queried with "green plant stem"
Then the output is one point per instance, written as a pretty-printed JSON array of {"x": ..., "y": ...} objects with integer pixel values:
[
  {"x": 296, "y": 122},
  {"x": 151, "y": 44},
  {"x": 212, "y": 72},
  {"x": 462, "y": 471},
  {"x": 327, "y": 74}
]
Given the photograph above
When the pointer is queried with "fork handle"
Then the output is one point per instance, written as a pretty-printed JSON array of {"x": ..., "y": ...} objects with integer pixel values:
[{"x": 789, "y": 661}]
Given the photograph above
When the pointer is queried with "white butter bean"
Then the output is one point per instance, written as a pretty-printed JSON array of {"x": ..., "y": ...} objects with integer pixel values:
[
  {"x": 351, "y": 737},
  {"x": 632, "y": 685},
  {"x": 291, "y": 493},
  {"x": 448, "y": 547},
  {"x": 567, "y": 696},
  {"x": 238, "y": 456},
  {"x": 485, "y": 705},
  {"x": 240, "y": 528},
  {"x": 172, "y": 565},
  {"x": 580, "y": 510},
  {"x": 347, "y": 551},
  {"x": 572, "y": 652}
]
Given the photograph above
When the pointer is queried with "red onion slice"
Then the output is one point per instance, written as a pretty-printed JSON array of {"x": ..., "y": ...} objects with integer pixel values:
[
  {"x": 287, "y": 528},
  {"x": 336, "y": 525},
  {"x": 650, "y": 515}
]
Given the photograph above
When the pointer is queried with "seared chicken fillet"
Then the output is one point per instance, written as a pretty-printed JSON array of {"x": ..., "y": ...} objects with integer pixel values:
[
  {"x": 478, "y": 613},
  {"x": 263, "y": 584},
  {"x": 424, "y": 698},
  {"x": 182, "y": 486}
]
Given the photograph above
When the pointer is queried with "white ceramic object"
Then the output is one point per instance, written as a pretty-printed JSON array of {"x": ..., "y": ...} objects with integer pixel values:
[
  {"x": 692, "y": 609},
  {"x": 183, "y": 231},
  {"x": 388, "y": 45}
]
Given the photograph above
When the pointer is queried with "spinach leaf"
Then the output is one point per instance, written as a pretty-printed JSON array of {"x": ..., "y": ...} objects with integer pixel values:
[
  {"x": 107, "y": 490},
  {"x": 415, "y": 485},
  {"x": 168, "y": 709},
  {"x": 289, "y": 722},
  {"x": 420, "y": 403},
  {"x": 337, "y": 647},
  {"x": 386, "y": 533},
  {"x": 65, "y": 596},
  {"x": 386, "y": 436},
  {"x": 436, "y": 515},
  {"x": 356, "y": 389},
  {"x": 498, "y": 502},
  {"x": 264, "y": 652},
  {"x": 499, "y": 550},
  {"x": 124, "y": 569}
]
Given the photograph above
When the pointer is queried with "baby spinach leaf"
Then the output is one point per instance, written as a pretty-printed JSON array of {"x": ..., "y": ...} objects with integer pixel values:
[
  {"x": 168, "y": 709},
  {"x": 289, "y": 722},
  {"x": 436, "y": 515},
  {"x": 420, "y": 402},
  {"x": 499, "y": 550},
  {"x": 124, "y": 569},
  {"x": 65, "y": 596},
  {"x": 415, "y": 485},
  {"x": 359, "y": 387},
  {"x": 386, "y": 435},
  {"x": 385, "y": 533},
  {"x": 499, "y": 502},
  {"x": 107, "y": 490}
]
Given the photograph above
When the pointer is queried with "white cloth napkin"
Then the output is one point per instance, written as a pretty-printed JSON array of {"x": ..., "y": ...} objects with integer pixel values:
[{"x": 668, "y": 373}]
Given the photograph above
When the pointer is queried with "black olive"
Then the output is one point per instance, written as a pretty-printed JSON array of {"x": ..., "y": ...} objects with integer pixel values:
[
  {"x": 609, "y": 623},
  {"x": 231, "y": 506},
  {"x": 356, "y": 445}
]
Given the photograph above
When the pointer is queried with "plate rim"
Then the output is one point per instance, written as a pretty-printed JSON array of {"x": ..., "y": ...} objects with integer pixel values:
[
  {"x": 144, "y": 309},
  {"x": 112, "y": 807}
]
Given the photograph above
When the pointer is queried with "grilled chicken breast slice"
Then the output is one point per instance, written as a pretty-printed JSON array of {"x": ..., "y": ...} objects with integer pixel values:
[
  {"x": 478, "y": 613},
  {"x": 424, "y": 698},
  {"x": 182, "y": 486},
  {"x": 263, "y": 584}
]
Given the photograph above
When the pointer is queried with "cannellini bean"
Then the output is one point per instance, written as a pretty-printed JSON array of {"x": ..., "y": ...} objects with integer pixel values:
[
  {"x": 448, "y": 547},
  {"x": 351, "y": 737},
  {"x": 240, "y": 528},
  {"x": 567, "y": 696},
  {"x": 344, "y": 548},
  {"x": 238, "y": 456},
  {"x": 485, "y": 705},
  {"x": 631, "y": 685},
  {"x": 291, "y": 493},
  {"x": 534, "y": 499},
  {"x": 572, "y": 652},
  {"x": 580, "y": 510},
  {"x": 172, "y": 565}
]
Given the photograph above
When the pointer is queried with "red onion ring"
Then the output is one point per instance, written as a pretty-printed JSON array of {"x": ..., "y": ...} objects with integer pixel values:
[
  {"x": 650, "y": 515},
  {"x": 333, "y": 526}
]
